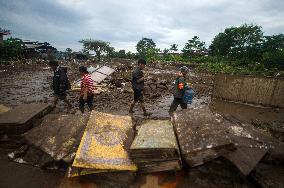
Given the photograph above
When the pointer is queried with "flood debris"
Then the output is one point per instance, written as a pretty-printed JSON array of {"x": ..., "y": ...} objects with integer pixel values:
[
  {"x": 58, "y": 135},
  {"x": 201, "y": 135},
  {"x": 20, "y": 119},
  {"x": 204, "y": 136},
  {"x": 97, "y": 74},
  {"x": 155, "y": 147},
  {"x": 104, "y": 144}
]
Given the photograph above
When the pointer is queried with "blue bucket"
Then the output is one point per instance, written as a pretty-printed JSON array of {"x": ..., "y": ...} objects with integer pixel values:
[{"x": 188, "y": 96}]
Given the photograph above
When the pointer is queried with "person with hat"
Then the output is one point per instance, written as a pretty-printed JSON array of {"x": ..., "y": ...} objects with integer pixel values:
[
  {"x": 180, "y": 86},
  {"x": 137, "y": 82}
]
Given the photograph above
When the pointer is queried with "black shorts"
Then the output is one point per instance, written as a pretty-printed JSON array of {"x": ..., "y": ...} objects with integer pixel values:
[{"x": 138, "y": 95}]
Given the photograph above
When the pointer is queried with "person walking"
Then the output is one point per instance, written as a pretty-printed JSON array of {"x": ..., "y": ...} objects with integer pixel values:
[
  {"x": 180, "y": 86},
  {"x": 137, "y": 82},
  {"x": 87, "y": 90},
  {"x": 60, "y": 83}
]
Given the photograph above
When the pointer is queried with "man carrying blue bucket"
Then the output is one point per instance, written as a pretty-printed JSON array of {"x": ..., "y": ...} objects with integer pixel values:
[{"x": 182, "y": 93}]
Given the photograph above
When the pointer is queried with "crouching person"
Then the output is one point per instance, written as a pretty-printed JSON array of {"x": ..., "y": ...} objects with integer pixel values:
[
  {"x": 60, "y": 83},
  {"x": 87, "y": 90},
  {"x": 180, "y": 86}
]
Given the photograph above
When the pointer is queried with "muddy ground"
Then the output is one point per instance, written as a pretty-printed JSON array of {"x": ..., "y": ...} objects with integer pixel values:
[{"x": 31, "y": 83}]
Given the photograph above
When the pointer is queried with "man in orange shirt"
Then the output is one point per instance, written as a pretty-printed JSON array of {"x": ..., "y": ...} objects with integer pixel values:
[{"x": 179, "y": 89}]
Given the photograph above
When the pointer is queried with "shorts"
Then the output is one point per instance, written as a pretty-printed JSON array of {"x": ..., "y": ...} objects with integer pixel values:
[
  {"x": 61, "y": 95},
  {"x": 138, "y": 95}
]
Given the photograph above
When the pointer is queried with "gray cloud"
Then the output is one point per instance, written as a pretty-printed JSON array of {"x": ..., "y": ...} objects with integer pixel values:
[{"x": 123, "y": 23}]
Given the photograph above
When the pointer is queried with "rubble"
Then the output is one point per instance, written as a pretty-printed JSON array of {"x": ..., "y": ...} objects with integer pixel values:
[
  {"x": 155, "y": 147},
  {"x": 104, "y": 144},
  {"x": 202, "y": 135},
  {"x": 58, "y": 135},
  {"x": 20, "y": 119}
]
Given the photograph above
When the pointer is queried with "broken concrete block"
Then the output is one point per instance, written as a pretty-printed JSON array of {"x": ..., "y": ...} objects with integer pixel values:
[
  {"x": 202, "y": 135},
  {"x": 155, "y": 147},
  {"x": 20, "y": 119},
  {"x": 104, "y": 145},
  {"x": 58, "y": 135}
]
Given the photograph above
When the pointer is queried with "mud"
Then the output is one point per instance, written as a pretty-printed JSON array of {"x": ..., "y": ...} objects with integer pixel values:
[{"x": 31, "y": 83}]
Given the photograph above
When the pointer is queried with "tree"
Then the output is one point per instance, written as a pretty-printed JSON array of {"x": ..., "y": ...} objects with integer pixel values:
[
  {"x": 121, "y": 54},
  {"x": 12, "y": 48},
  {"x": 194, "y": 48},
  {"x": 174, "y": 48},
  {"x": 145, "y": 45},
  {"x": 68, "y": 52},
  {"x": 98, "y": 46},
  {"x": 242, "y": 42},
  {"x": 273, "y": 50}
]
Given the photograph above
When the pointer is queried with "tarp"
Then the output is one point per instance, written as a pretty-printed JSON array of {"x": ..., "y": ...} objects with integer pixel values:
[{"x": 103, "y": 146}]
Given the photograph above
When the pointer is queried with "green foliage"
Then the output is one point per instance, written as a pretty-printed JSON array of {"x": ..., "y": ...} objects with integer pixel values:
[
  {"x": 68, "y": 52},
  {"x": 194, "y": 48},
  {"x": 11, "y": 49},
  {"x": 242, "y": 42},
  {"x": 145, "y": 47},
  {"x": 98, "y": 46},
  {"x": 174, "y": 48}
]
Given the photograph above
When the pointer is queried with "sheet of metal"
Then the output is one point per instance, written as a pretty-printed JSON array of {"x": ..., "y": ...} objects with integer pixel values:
[
  {"x": 18, "y": 120},
  {"x": 105, "y": 70},
  {"x": 98, "y": 77},
  {"x": 104, "y": 145},
  {"x": 58, "y": 135}
]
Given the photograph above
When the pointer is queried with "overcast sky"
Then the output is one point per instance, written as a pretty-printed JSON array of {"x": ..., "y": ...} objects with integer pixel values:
[{"x": 124, "y": 22}]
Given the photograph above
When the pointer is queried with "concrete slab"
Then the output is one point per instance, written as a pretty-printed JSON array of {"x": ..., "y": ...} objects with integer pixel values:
[
  {"x": 155, "y": 147},
  {"x": 19, "y": 119},
  {"x": 58, "y": 135},
  {"x": 202, "y": 135},
  {"x": 104, "y": 145}
]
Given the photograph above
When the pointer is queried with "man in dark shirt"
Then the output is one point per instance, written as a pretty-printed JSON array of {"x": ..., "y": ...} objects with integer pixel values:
[
  {"x": 178, "y": 91},
  {"x": 137, "y": 82},
  {"x": 60, "y": 83}
]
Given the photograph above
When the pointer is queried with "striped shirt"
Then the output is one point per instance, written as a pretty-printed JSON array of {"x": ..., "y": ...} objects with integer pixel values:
[{"x": 87, "y": 82}]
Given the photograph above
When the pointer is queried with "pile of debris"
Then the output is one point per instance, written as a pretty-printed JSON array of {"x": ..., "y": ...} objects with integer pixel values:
[{"x": 155, "y": 148}]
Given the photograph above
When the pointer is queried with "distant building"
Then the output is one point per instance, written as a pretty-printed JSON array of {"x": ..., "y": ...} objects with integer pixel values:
[
  {"x": 35, "y": 49},
  {"x": 2, "y": 33}
]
